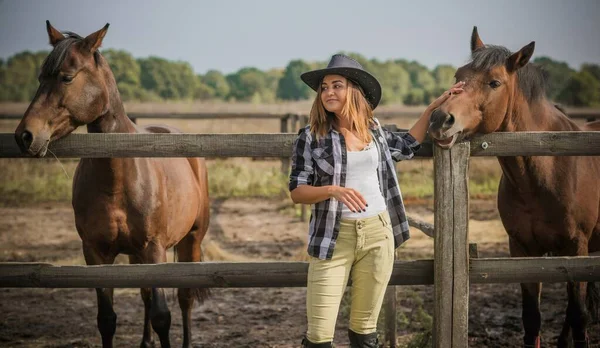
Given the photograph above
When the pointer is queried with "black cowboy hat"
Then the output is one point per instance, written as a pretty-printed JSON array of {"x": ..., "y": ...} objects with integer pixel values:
[{"x": 351, "y": 69}]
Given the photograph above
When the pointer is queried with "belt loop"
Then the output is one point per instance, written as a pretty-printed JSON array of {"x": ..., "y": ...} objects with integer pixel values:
[{"x": 382, "y": 218}]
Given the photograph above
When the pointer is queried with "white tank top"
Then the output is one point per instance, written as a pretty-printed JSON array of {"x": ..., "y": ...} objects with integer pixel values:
[{"x": 361, "y": 175}]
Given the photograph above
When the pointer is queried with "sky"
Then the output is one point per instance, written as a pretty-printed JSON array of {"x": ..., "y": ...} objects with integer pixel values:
[{"x": 228, "y": 35}]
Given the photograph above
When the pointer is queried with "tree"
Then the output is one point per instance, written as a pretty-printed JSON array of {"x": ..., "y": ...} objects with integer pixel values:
[
  {"x": 444, "y": 76},
  {"x": 215, "y": 80},
  {"x": 593, "y": 69},
  {"x": 582, "y": 90},
  {"x": 203, "y": 91},
  {"x": 416, "y": 96},
  {"x": 395, "y": 81},
  {"x": 19, "y": 76},
  {"x": 170, "y": 80},
  {"x": 248, "y": 84},
  {"x": 290, "y": 86},
  {"x": 127, "y": 72},
  {"x": 557, "y": 75}
]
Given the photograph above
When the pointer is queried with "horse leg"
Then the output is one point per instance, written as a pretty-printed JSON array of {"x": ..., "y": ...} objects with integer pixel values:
[
  {"x": 530, "y": 293},
  {"x": 577, "y": 314},
  {"x": 107, "y": 318},
  {"x": 147, "y": 339},
  {"x": 160, "y": 316},
  {"x": 188, "y": 250}
]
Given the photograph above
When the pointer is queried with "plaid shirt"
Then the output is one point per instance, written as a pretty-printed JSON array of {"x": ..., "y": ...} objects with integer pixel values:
[{"x": 323, "y": 162}]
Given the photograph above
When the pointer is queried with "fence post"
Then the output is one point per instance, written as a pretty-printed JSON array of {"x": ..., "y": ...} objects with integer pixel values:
[
  {"x": 296, "y": 122},
  {"x": 391, "y": 325},
  {"x": 451, "y": 257},
  {"x": 283, "y": 128}
]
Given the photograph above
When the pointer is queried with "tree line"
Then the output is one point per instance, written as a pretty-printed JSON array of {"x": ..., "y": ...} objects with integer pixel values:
[{"x": 403, "y": 81}]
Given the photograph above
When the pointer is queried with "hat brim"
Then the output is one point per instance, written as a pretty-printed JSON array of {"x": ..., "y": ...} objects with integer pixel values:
[{"x": 367, "y": 82}]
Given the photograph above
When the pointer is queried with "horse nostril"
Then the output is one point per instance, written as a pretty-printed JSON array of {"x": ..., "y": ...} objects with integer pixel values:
[
  {"x": 450, "y": 120},
  {"x": 27, "y": 138}
]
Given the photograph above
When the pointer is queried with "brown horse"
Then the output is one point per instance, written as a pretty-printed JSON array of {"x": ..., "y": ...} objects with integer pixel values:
[
  {"x": 136, "y": 206},
  {"x": 548, "y": 205}
]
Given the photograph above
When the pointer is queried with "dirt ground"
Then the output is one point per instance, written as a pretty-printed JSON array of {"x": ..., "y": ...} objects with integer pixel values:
[{"x": 244, "y": 229}]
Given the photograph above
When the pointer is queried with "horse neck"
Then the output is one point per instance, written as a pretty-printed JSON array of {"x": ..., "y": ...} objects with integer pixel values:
[
  {"x": 523, "y": 116},
  {"x": 115, "y": 120}
]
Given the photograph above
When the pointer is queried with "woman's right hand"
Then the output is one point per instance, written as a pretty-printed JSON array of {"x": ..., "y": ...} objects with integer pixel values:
[{"x": 350, "y": 197}]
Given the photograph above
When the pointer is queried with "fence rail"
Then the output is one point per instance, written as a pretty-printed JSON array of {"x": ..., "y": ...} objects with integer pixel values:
[
  {"x": 282, "y": 274},
  {"x": 279, "y": 145},
  {"x": 574, "y": 113}
]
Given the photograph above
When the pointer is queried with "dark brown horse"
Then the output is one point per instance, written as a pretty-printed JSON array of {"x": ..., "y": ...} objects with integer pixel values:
[
  {"x": 136, "y": 206},
  {"x": 548, "y": 205}
]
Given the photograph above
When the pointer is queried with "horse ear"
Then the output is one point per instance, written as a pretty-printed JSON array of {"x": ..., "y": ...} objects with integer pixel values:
[
  {"x": 520, "y": 59},
  {"x": 476, "y": 42},
  {"x": 93, "y": 41},
  {"x": 54, "y": 35}
]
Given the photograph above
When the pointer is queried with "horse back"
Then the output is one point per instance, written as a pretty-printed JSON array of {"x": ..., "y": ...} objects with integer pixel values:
[{"x": 592, "y": 126}]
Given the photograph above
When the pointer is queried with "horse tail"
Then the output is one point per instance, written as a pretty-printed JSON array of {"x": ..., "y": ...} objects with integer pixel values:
[
  {"x": 593, "y": 301},
  {"x": 200, "y": 294}
]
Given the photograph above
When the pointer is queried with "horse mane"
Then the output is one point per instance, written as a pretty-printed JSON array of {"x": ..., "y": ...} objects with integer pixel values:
[
  {"x": 54, "y": 61},
  {"x": 532, "y": 79}
]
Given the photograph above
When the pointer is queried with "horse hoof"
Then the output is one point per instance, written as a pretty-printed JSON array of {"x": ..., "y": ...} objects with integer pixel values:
[
  {"x": 581, "y": 344},
  {"x": 535, "y": 344},
  {"x": 147, "y": 344}
]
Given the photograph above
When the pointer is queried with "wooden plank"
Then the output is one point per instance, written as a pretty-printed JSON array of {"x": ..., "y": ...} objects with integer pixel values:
[
  {"x": 391, "y": 310},
  {"x": 185, "y": 274},
  {"x": 285, "y": 161},
  {"x": 162, "y": 145},
  {"x": 573, "y": 113},
  {"x": 537, "y": 144},
  {"x": 391, "y": 329},
  {"x": 283, "y": 274},
  {"x": 176, "y": 115},
  {"x": 459, "y": 156},
  {"x": 279, "y": 145},
  {"x": 443, "y": 244},
  {"x": 529, "y": 270}
]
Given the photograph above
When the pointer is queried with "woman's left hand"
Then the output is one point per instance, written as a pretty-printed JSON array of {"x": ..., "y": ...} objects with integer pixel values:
[{"x": 456, "y": 89}]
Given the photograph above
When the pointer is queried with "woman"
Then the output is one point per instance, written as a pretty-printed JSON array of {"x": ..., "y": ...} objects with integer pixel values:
[{"x": 342, "y": 165}]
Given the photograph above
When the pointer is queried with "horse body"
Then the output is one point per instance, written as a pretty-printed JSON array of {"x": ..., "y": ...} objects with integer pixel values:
[
  {"x": 553, "y": 194},
  {"x": 136, "y": 206},
  {"x": 139, "y": 200},
  {"x": 547, "y": 204}
]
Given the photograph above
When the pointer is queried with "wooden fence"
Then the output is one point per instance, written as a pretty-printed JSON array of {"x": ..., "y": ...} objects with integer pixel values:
[{"x": 450, "y": 271}]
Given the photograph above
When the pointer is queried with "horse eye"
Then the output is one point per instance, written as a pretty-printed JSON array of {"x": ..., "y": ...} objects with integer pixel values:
[
  {"x": 495, "y": 84},
  {"x": 67, "y": 79}
]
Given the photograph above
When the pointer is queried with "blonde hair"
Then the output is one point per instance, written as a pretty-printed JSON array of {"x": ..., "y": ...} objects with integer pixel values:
[{"x": 357, "y": 110}]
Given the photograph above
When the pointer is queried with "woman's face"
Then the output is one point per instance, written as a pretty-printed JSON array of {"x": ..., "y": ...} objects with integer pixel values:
[{"x": 333, "y": 93}]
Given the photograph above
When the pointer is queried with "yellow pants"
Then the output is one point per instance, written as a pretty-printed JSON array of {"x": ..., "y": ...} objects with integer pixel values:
[{"x": 365, "y": 251}]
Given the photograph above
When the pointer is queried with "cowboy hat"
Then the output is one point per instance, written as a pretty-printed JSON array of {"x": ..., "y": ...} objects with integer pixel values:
[{"x": 351, "y": 69}]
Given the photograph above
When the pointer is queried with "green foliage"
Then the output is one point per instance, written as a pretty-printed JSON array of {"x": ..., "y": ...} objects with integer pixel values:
[
  {"x": 444, "y": 77},
  {"x": 158, "y": 79},
  {"x": 416, "y": 96},
  {"x": 126, "y": 71},
  {"x": 170, "y": 80},
  {"x": 583, "y": 89},
  {"x": 249, "y": 84},
  {"x": 203, "y": 91},
  {"x": 19, "y": 76},
  {"x": 290, "y": 86},
  {"x": 395, "y": 82},
  {"x": 215, "y": 80},
  {"x": 593, "y": 69},
  {"x": 557, "y": 73}
]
